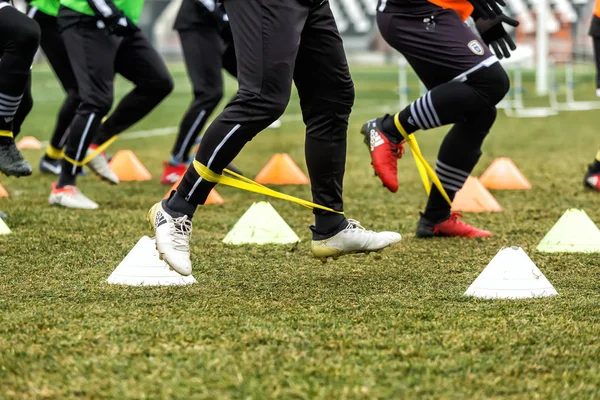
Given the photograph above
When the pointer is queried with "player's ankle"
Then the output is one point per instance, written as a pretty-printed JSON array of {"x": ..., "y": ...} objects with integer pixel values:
[{"x": 179, "y": 205}]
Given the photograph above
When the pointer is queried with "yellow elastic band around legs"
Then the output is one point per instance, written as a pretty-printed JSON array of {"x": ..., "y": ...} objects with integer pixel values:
[
  {"x": 97, "y": 151},
  {"x": 414, "y": 146},
  {"x": 6, "y": 134},
  {"x": 251, "y": 186},
  {"x": 53, "y": 152}
]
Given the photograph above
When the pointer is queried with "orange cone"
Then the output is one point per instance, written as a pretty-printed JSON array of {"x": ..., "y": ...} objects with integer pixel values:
[
  {"x": 473, "y": 197},
  {"x": 504, "y": 174},
  {"x": 29, "y": 142},
  {"x": 3, "y": 192},
  {"x": 128, "y": 167},
  {"x": 281, "y": 170},
  {"x": 213, "y": 196}
]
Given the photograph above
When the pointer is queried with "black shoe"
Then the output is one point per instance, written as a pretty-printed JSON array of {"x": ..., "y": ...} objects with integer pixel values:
[{"x": 12, "y": 162}]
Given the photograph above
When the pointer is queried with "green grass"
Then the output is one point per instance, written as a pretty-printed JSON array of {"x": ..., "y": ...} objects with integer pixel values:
[{"x": 272, "y": 321}]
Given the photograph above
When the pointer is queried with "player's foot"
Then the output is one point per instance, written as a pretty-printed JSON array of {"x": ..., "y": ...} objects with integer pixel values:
[
  {"x": 173, "y": 232},
  {"x": 172, "y": 173},
  {"x": 12, "y": 162},
  {"x": 592, "y": 179},
  {"x": 50, "y": 165},
  {"x": 353, "y": 239},
  {"x": 70, "y": 197},
  {"x": 99, "y": 166},
  {"x": 384, "y": 153},
  {"x": 450, "y": 227}
]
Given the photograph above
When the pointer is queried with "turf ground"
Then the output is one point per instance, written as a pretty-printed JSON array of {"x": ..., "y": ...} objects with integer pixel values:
[{"x": 272, "y": 321}]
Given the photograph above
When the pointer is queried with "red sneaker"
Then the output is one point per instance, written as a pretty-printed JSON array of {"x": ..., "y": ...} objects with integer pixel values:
[
  {"x": 172, "y": 173},
  {"x": 384, "y": 154},
  {"x": 592, "y": 179},
  {"x": 451, "y": 227}
]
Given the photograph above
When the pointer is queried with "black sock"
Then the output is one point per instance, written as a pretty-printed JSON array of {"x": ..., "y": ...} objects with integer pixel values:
[
  {"x": 67, "y": 177},
  {"x": 178, "y": 204},
  {"x": 595, "y": 167},
  {"x": 328, "y": 225}
]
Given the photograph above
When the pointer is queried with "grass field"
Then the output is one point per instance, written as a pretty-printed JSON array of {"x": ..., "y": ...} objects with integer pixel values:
[{"x": 272, "y": 321}]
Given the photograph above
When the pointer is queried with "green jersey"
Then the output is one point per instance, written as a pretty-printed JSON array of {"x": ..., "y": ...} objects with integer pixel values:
[
  {"x": 49, "y": 7},
  {"x": 131, "y": 8}
]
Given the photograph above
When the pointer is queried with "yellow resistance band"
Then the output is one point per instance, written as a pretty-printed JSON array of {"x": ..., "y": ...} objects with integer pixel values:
[
  {"x": 251, "y": 186},
  {"x": 6, "y": 134},
  {"x": 422, "y": 164},
  {"x": 97, "y": 151}
]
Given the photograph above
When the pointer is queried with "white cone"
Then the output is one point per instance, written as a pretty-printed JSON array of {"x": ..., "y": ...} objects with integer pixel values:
[
  {"x": 142, "y": 267},
  {"x": 511, "y": 275}
]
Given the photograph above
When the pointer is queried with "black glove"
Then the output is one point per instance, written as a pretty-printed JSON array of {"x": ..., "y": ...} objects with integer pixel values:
[
  {"x": 486, "y": 9},
  {"x": 493, "y": 34},
  {"x": 120, "y": 25}
]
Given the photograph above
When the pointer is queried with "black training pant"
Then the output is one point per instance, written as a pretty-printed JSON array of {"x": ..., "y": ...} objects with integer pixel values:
[
  {"x": 206, "y": 53},
  {"x": 19, "y": 40},
  {"x": 595, "y": 34},
  {"x": 96, "y": 56},
  {"x": 54, "y": 48},
  {"x": 277, "y": 42}
]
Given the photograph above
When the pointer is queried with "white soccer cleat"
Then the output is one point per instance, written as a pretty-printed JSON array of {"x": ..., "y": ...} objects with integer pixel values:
[
  {"x": 70, "y": 197},
  {"x": 353, "y": 239},
  {"x": 172, "y": 238},
  {"x": 99, "y": 165}
]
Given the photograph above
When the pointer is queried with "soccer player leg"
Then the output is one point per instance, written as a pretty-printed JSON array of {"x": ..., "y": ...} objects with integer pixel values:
[
  {"x": 326, "y": 99},
  {"x": 460, "y": 152},
  {"x": 439, "y": 53},
  {"x": 24, "y": 108},
  {"x": 203, "y": 51},
  {"x": 267, "y": 46},
  {"x": 137, "y": 61},
  {"x": 92, "y": 53},
  {"x": 19, "y": 40},
  {"x": 55, "y": 51}
]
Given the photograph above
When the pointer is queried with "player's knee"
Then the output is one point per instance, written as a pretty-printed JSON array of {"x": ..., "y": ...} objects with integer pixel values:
[
  {"x": 208, "y": 100},
  {"x": 492, "y": 83},
  {"x": 164, "y": 86}
]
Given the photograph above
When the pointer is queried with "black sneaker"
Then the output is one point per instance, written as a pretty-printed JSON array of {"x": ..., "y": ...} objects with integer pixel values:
[{"x": 12, "y": 162}]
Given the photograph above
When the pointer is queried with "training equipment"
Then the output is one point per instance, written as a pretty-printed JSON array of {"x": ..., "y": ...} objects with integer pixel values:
[
  {"x": 281, "y": 170},
  {"x": 473, "y": 197},
  {"x": 172, "y": 238},
  {"x": 511, "y": 275},
  {"x": 100, "y": 166},
  {"x": 353, "y": 239},
  {"x": 504, "y": 174},
  {"x": 3, "y": 192},
  {"x": 29, "y": 142},
  {"x": 127, "y": 167},
  {"x": 574, "y": 232},
  {"x": 261, "y": 224},
  {"x": 452, "y": 227},
  {"x": 4, "y": 229},
  {"x": 143, "y": 267},
  {"x": 70, "y": 197}
]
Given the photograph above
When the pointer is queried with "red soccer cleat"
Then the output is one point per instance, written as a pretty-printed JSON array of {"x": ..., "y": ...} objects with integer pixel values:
[
  {"x": 384, "y": 154},
  {"x": 451, "y": 227},
  {"x": 172, "y": 173}
]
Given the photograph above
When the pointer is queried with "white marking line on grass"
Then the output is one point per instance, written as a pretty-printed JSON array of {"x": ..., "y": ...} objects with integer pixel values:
[{"x": 169, "y": 130}]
